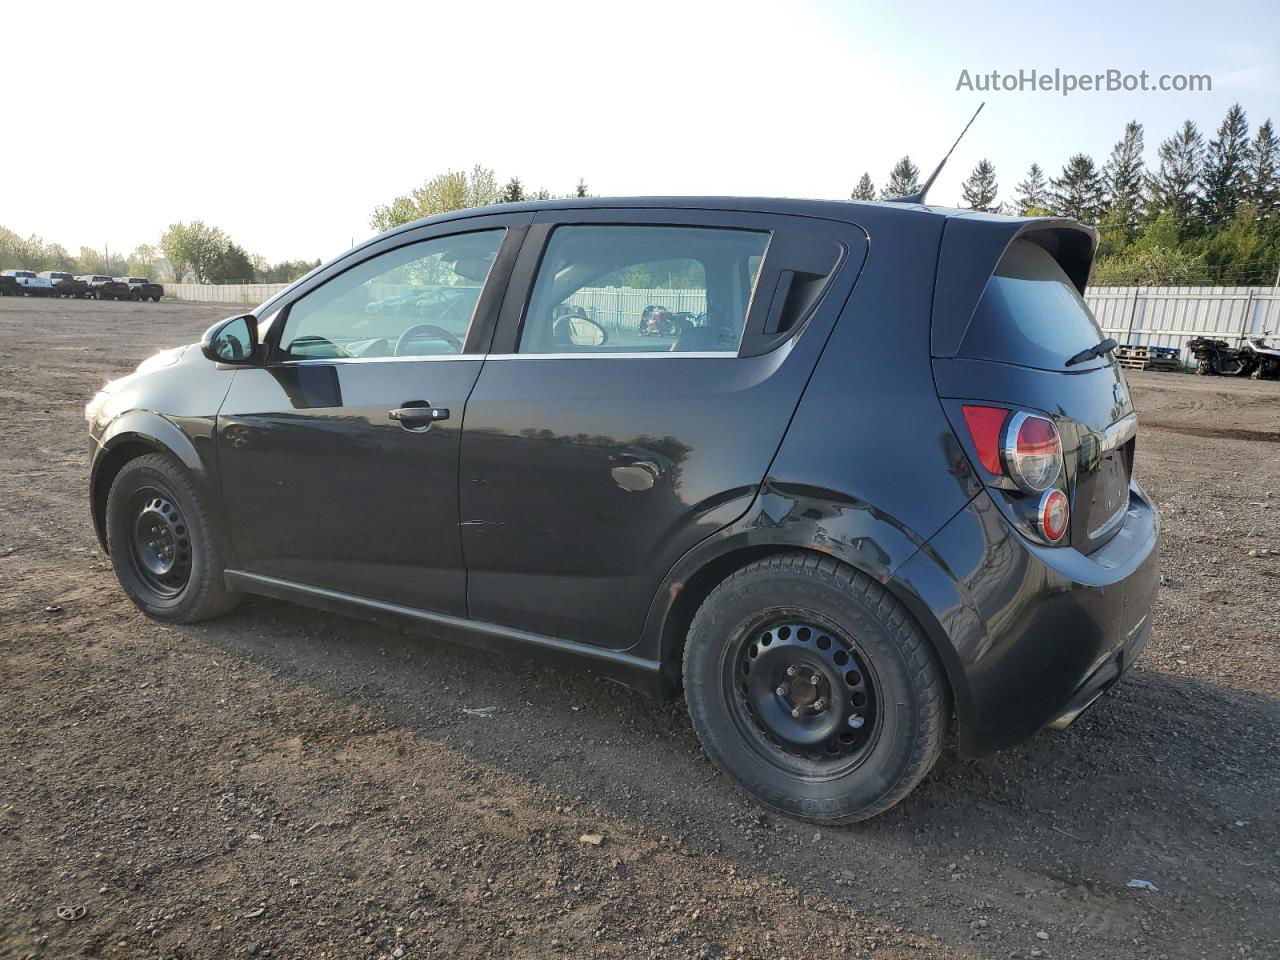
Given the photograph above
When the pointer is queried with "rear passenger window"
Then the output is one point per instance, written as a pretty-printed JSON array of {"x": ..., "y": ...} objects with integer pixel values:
[
  {"x": 650, "y": 289},
  {"x": 1031, "y": 314}
]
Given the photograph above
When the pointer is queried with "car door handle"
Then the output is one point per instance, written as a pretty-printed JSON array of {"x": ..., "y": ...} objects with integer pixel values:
[{"x": 418, "y": 418}]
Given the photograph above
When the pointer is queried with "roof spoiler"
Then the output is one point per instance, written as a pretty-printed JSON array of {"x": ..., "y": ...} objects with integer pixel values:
[{"x": 971, "y": 249}]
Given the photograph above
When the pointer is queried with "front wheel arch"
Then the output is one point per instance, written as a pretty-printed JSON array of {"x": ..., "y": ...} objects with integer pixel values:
[{"x": 105, "y": 473}]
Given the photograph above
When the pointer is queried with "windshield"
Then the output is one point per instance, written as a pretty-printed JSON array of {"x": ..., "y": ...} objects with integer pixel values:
[{"x": 1031, "y": 314}]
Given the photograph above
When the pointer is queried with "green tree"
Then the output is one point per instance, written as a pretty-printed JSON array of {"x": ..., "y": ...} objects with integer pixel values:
[
  {"x": 1262, "y": 189},
  {"x": 904, "y": 180},
  {"x": 443, "y": 193},
  {"x": 1157, "y": 266},
  {"x": 1122, "y": 179},
  {"x": 1171, "y": 190},
  {"x": 286, "y": 271},
  {"x": 233, "y": 266},
  {"x": 1033, "y": 193},
  {"x": 195, "y": 248},
  {"x": 979, "y": 190},
  {"x": 1078, "y": 192},
  {"x": 513, "y": 192},
  {"x": 865, "y": 190},
  {"x": 142, "y": 262},
  {"x": 1224, "y": 176},
  {"x": 581, "y": 189}
]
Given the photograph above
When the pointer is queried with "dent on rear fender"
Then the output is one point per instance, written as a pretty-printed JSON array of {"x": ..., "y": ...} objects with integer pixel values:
[{"x": 843, "y": 526}]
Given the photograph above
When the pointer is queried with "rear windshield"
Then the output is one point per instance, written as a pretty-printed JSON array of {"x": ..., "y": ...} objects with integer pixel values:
[{"x": 1031, "y": 314}]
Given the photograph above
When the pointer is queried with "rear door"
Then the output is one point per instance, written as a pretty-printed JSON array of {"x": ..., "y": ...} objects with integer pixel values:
[{"x": 644, "y": 370}]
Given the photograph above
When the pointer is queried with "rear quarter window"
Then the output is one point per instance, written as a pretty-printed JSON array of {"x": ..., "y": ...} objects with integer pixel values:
[{"x": 1031, "y": 314}]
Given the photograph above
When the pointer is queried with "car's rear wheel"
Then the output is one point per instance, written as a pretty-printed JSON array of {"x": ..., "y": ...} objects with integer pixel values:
[
  {"x": 161, "y": 543},
  {"x": 813, "y": 689}
]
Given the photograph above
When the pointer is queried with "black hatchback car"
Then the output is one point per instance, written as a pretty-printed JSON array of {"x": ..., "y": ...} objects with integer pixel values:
[{"x": 884, "y": 488}]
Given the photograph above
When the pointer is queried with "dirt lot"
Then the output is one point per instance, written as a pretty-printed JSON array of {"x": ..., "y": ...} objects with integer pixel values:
[{"x": 283, "y": 783}]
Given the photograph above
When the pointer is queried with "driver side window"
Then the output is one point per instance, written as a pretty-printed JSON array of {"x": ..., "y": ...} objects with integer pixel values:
[{"x": 415, "y": 301}]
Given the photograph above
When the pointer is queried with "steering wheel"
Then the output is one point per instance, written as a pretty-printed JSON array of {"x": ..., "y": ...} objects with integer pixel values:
[{"x": 431, "y": 331}]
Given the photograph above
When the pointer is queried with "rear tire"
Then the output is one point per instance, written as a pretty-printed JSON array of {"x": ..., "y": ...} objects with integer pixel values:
[
  {"x": 814, "y": 628},
  {"x": 161, "y": 542}
]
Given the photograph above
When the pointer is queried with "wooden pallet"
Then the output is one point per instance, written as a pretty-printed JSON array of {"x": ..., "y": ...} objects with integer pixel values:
[
  {"x": 1166, "y": 365},
  {"x": 1134, "y": 357}
]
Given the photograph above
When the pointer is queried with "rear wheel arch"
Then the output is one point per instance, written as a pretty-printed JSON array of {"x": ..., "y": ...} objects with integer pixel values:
[{"x": 699, "y": 585}]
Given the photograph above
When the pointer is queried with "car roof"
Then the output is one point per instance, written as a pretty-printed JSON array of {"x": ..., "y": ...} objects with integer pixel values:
[{"x": 853, "y": 211}]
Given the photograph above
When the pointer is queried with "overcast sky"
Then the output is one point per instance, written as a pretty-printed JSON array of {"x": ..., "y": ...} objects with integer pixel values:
[{"x": 287, "y": 128}]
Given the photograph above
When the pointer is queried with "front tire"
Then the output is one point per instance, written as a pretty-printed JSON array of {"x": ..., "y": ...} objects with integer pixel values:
[
  {"x": 161, "y": 542},
  {"x": 813, "y": 689}
]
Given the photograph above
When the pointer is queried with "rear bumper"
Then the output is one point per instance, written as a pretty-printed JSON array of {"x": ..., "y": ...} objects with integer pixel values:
[
  {"x": 1104, "y": 678},
  {"x": 1031, "y": 636}
]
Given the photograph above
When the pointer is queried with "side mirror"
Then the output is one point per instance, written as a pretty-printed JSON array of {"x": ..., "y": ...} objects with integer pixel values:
[{"x": 234, "y": 340}]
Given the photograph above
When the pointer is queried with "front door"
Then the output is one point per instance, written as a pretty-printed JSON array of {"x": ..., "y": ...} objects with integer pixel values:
[{"x": 339, "y": 457}]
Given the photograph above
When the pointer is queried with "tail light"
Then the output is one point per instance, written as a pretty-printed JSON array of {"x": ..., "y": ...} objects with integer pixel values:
[
  {"x": 1052, "y": 515},
  {"x": 1024, "y": 452},
  {"x": 1032, "y": 452}
]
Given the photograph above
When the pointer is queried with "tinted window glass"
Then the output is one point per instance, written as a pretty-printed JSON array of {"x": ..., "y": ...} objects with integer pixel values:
[
  {"x": 1031, "y": 314},
  {"x": 414, "y": 301},
  {"x": 612, "y": 289}
]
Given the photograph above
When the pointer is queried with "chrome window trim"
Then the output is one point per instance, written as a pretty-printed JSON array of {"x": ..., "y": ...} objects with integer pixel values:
[
  {"x": 314, "y": 361},
  {"x": 640, "y": 355},
  {"x": 655, "y": 354}
]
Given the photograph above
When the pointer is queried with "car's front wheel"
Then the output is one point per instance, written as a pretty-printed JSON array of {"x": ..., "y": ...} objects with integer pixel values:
[
  {"x": 813, "y": 689},
  {"x": 161, "y": 542}
]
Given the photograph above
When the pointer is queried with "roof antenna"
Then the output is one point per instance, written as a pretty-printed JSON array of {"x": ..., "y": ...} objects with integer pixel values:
[{"x": 918, "y": 196}]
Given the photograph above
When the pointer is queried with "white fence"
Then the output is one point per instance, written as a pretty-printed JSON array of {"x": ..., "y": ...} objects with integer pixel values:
[
  {"x": 1147, "y": 316},
  {"x": 245, "y": 293},
  {"x": 1169, "y": 316}
]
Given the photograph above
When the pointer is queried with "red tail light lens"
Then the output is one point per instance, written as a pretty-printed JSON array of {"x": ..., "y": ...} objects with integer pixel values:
[
  {"x": 1053, "y": 515},
  {"x": 985, "y": 425},
  {"x": 1032, "y": 452}
]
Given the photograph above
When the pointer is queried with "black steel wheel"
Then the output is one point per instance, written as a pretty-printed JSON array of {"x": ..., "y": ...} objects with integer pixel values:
[
  {"x": 813, "y": 689},
  {"x": 160, "y": 543},
  {"x": 160, "y": 537},
  {"x": 804, "y": 696}
]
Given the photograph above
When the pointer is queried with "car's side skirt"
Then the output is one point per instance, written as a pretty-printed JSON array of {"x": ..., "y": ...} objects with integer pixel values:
[{"x": 635, "y": 672}]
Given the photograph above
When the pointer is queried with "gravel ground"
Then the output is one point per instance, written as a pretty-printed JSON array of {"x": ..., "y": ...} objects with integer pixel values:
[{"x": 284, "y": 783}]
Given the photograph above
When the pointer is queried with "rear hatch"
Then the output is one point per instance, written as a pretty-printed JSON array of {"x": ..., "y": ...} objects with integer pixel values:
[{"x": 1016, "y": 351}]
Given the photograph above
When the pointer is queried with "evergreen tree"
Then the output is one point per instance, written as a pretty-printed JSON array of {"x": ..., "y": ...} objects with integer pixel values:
[
  {"x": 513, "y": 192},
  {"x": 581, "y": 188},
  {"x": 865, "y": 190},
  {"x": 1224, "y": 179},
  {"x": 1263, "y": 190},
  {"x": 904, "y": 180},
  {"x": 1033, "y": 192},
  {"x": 980, "y": 189},
  {"x": 1078, "y": 193},
  {"x": 1122, "y": 178},
  {"x": 1171, "y": 190}
]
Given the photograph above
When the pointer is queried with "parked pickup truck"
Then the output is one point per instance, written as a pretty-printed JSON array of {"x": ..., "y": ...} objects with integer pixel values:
[
  {"x": 9, "y": 286},
  {"x": 141, "y": 288},
  {"x": 65, "y": 285},
  {"x": 30, "y": 284},
  {"x": 106, "y": 288}
]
